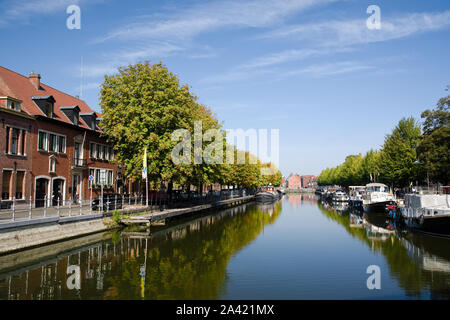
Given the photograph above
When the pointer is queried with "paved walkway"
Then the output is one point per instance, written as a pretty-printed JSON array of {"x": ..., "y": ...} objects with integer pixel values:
[{"x": 66, "y": 211}]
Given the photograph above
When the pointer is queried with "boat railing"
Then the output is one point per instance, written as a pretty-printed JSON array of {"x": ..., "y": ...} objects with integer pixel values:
[{"x": 429, "y": 190}]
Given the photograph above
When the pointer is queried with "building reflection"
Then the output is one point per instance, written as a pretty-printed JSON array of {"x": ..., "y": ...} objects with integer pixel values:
[
  {"x": 185, "y": 259},
  {"x": 299, "y": 199}
]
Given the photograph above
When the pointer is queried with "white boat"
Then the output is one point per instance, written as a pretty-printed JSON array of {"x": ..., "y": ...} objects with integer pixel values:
[
  {"x": 378, "y": 233},
  {"x": 340, "y": 207},
  {"x": 339, "y": 196},
  {"x": 357, "y": 221},
  {"x": 356, "y": 194},
  {"x": 427, "y": 212},
  {"x": 377, "y": 198}
]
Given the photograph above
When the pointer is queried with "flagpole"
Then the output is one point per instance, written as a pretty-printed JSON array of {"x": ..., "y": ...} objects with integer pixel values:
[{"x": 146, "y": 177}]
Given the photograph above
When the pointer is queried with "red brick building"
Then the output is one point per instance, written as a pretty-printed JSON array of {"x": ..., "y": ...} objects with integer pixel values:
[
  {"x": 15, "y": 153},
  {"x": 294, "y": 181},
  {"x": 50, "y": 144},
  {"x": 309, "y": 181}
]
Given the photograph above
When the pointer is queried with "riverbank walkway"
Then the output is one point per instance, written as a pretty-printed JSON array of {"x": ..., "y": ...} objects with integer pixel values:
[
  {"x": 148, "y": 218},
  {"x": 28, "y": 216}
]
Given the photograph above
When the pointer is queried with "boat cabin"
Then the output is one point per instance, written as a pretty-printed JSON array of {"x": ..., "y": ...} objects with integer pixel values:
[
  {"x": 355, "y": 190},
  {"x": 377, "y": 187}
]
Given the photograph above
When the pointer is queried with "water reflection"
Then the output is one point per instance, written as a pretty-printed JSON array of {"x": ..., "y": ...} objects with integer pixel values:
[
  {"x": 297, "y": 200},
  {"x": 420, "y": 263},
  {"x": 225, "y": 254},
  {"x": 184, "y": 260}
]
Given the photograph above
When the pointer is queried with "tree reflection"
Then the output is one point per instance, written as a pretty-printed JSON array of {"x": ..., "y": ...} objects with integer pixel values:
[
  {"x": 192, "y": 266},
  {"x": 420, "y": 263}
]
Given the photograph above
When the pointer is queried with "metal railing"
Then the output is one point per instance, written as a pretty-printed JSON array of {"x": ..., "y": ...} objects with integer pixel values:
[
  {"x": 80, "y": 163},
  {"x": 21, "y": 209}
]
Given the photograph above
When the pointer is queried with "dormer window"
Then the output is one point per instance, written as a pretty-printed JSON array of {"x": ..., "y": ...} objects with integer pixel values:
[
  {"x": 89, "y": 119},
  {"x": 45, "y": 104},
  {"x": 12, "y": 103},
  {"x": 72, "y": 113}
]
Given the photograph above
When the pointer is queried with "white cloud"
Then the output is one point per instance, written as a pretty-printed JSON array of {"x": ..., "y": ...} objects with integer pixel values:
[
  {"x": 328, "y": 69},
  {"x": 290, "y": 55},
  {"x": 331, "y": 37},
  {"x": 174, "y": 33},
  {"x": 353, "y": 32},
  {"x": 111, "y": 61},
  {"x": 22, "y": 11},
  {"x": 315, "y": 71},
  {"x": 99, "y": 70},
  {"x": 148, "y": 50},
  {"x": 207, "y": 17}
]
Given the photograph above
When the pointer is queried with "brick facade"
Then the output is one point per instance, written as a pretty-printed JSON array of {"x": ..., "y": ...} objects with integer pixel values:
[
  {"x": 71, "y": 172},
  {"x": 62, "y": 145},
  {"x": 15, "y": 156},
  {"x": 294, "y": 181},
  {"x": 309, "y": 181}
]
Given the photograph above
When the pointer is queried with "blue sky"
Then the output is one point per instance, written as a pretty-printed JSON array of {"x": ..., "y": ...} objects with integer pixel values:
[{"x": 310, "y": 68}]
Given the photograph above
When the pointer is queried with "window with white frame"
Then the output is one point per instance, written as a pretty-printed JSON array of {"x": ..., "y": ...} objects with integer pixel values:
[
  {"x": 14, "y": 105},
  {"x": 109, "y": 177},
  {"x": 42, "y": 140},
  {"x": 20, "y": 176},
  {"x": 93, "y": 153},
  {"x": 97, "y": 176},
  {"x": 61, "y": 144},
  {"x": 6, "y": 183},
  {"x": 101, "y": 152},
  {"x": 95, "y": 172},
  {"x": 52, "y": 142},
  {"x": 91, "y": 173},
  {"x": 15, "y": 141}
]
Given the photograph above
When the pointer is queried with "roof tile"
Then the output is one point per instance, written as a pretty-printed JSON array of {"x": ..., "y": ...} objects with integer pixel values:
[{"x": 19, "y": 86}]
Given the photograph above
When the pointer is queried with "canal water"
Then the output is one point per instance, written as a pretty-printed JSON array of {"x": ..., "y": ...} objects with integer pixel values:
[{"x": 297, "y": 248}]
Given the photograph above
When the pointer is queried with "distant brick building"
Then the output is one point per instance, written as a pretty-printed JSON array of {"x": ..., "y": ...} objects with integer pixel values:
[
  {"x": 50, "y": 144},
  {"x": 309, "y": 181},
  {"x": 294, "y": 181}
]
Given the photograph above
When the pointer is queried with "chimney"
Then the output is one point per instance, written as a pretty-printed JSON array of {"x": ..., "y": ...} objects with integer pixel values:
[{"x": 35, "y": 80}]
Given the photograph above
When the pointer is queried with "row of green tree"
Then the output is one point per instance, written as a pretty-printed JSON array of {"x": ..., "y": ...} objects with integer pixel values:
[
  {"x": 142, "y": 106},
  {"x": 413, "y": 153}
]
